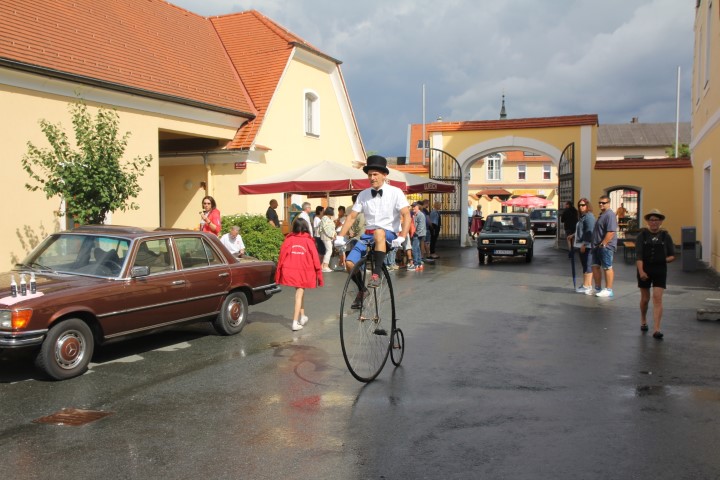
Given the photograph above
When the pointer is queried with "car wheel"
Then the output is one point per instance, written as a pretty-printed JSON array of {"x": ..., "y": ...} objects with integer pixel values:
[
  {"x": 233, "y": 315},
  {"x": 481, "y": 258},
  {"x": 528, "y": 256},
  {"x": 67, "y": 349}
]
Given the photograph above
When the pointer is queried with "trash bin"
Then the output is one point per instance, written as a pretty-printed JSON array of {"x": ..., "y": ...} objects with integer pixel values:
[{"x": 688, "y": 246}]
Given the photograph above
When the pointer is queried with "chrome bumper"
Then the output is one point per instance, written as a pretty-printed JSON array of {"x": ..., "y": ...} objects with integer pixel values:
[
  {"x": 22, "y": 339},
  {"x": 269, "y": 290}
]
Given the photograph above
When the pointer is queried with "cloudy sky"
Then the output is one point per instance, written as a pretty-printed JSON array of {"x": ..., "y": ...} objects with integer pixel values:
[{"x": 615, "y": 58}]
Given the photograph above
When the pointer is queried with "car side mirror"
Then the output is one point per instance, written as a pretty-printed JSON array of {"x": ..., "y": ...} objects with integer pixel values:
[{"x": 140, "y": 271}]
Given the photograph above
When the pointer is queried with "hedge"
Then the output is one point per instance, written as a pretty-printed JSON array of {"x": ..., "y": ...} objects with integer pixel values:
[{"x": 261, "y": 240}]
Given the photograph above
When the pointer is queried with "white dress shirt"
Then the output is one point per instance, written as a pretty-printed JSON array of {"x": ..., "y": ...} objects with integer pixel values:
[
  {"x": 304, "y": 215},
  {"x": 382, "y": 211}
]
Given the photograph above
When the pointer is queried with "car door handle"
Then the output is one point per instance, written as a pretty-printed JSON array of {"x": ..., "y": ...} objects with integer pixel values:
[
  {"x": 223, "y": 274},
  {"x": 178, "y": 282}
]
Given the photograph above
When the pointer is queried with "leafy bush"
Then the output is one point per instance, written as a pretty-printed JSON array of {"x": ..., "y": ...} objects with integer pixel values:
[{"x": 261, "y": 240}]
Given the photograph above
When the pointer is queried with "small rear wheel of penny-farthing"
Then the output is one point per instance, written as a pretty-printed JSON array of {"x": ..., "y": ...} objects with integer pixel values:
[{"x": 397, "y": 350}]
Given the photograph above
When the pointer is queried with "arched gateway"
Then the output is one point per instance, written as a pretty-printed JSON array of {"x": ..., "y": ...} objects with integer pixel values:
[{"x": 569, "y": 142}]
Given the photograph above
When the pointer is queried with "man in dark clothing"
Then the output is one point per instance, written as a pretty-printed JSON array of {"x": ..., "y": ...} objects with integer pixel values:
[
  {"x": 435, "y": 223},
  {"x": 569, "y": 218},
  {"x": 271, "y": 214}
]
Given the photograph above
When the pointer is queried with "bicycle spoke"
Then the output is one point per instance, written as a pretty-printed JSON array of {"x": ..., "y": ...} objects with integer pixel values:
[{"x": 365, "y": 332}]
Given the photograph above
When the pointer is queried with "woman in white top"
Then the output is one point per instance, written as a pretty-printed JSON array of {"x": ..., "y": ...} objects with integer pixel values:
[{"x": 327, "y": 235}]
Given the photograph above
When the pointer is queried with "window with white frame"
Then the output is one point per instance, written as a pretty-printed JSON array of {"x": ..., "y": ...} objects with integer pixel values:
[
  {"x": 312, "y": 114},
  {"x": 547, "y": 172},
  {"x": 522, "y": 172},
  {"x": 493, "y": 165}
]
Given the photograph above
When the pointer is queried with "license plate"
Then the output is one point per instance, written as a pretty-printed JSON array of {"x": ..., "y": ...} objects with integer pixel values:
[
  {"x": 503, "y": 252},
  {"x": 540, "y": 229}
]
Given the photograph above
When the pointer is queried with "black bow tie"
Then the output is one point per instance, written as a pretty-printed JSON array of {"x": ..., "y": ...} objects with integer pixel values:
[{"x": 376, "y": 192}]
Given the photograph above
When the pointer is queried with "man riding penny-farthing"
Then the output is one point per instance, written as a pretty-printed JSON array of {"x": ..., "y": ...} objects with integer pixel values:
[{"x": 368, "y": 331}]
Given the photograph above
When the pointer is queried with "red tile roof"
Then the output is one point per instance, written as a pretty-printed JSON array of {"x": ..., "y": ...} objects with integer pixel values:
[
  {"x": 638, "y": 163},
  {"x": 260, "y": 50},
  {"x": 147, "y": 46},
  {"x": 513, "y": 124}
]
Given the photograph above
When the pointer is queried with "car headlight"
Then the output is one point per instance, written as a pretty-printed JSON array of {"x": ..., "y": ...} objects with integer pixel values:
[
  {"x": 523, "y": 241},
  {"x": 552, "y": 224},
  {"x": 14, "y": 319},
  {"x": 485, "y": 242}
]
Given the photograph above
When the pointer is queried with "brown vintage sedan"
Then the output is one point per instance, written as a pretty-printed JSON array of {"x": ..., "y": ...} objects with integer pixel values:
[{"x": 97, "y": 284}]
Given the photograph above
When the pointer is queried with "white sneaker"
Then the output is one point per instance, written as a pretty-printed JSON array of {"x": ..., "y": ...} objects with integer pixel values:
[
  {"x": 327, "y": 270},
  {"x": 591, "y": 291},
  {"x": 303, "y": 320},
  {"x": 605, "y": 293},
  {"x": 296, "y": 326},
  {"x": 582, "y": 289}
]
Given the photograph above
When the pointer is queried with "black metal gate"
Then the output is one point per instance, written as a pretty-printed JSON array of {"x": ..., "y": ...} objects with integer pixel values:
[
  {"x": 566, "y": 184},
  {"x": 445, "y": 168}
]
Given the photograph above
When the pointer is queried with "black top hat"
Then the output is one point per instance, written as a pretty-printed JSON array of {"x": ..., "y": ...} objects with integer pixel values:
[{"x": 376, "y": 162}]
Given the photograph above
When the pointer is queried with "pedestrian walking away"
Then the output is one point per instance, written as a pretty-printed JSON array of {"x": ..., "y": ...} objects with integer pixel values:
[
  {"x": 299, "y": 266},
  {"x": 654, "y": 249}
]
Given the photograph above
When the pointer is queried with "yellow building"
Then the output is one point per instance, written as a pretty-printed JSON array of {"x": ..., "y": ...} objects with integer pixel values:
[
  {"x": 216, "y": 101},
  {"x": 705, "y": 145}
]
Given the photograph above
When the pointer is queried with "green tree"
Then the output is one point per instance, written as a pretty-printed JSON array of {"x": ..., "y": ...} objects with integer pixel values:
[
  {"x": 92, "y": 179},
  {"x": 683, "y": 150}
]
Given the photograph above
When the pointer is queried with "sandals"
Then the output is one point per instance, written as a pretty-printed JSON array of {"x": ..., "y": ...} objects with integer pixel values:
[
  {"x": 658, "y": 335},
  {"x": 643, "y": 327}
]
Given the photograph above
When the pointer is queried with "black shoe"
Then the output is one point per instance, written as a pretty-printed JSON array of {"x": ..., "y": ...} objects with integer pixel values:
[
  {"x": 644, "y": 327},
  {"x": 658, "y": 335},
  {"x": 358, "y": 303}
]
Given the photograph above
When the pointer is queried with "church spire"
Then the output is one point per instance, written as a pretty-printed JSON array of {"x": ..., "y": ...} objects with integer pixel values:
[{"x": 503, "y": 115}]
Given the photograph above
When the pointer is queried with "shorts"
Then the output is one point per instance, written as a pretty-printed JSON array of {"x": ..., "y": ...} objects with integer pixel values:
[
  {"x": 361, "y": 246},
  {"x": 602, "y": 257},
  {"x": 657, "y": 276}
]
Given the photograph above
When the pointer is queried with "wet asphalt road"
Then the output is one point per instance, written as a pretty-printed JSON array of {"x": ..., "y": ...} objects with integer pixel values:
[{"x": 507, "y": 374}]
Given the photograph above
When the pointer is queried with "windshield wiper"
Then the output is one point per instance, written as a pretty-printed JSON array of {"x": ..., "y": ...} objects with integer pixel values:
[{"x": 35, "y": 266}]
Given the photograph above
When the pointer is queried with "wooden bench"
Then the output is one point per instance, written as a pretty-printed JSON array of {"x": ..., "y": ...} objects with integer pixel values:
[{"x": 629, "y": 251}]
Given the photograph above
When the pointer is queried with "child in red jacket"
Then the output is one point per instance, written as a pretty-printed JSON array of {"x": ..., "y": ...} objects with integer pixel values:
[{"x": 299, "y": 267}]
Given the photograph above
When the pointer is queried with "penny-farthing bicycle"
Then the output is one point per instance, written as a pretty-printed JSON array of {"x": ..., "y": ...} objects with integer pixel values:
[{"x": 368, "y": 325}]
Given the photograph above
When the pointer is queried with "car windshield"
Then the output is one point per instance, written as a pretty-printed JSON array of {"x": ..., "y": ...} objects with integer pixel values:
[
  {"x": 79, "y": 254},
  {"x": 500, "y": 223},
  {"x": 542, "y": 214}
]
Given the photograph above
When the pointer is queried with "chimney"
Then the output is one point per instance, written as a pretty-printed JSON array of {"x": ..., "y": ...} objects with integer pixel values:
[{"x": 635, "y": 120}]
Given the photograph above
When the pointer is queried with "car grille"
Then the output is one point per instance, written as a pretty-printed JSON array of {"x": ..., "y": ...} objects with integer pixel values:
[{"x": 503, "y": 241}]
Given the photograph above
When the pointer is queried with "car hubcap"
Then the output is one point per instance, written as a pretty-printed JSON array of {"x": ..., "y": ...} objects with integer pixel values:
[
  {"x": 69, "y": 349},
  {"x": 235, "y": 313}
]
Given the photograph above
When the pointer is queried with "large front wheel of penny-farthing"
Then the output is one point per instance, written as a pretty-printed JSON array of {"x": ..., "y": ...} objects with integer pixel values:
[{"x": 366, "y": 322}]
